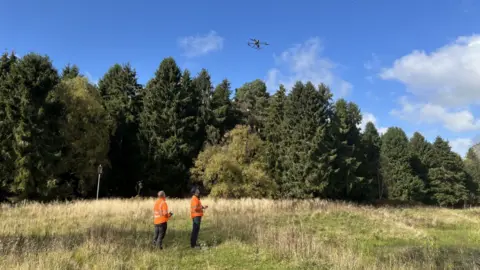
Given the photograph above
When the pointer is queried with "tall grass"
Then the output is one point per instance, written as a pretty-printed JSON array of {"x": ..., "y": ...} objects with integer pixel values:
[{"x": 238, "y": 234}]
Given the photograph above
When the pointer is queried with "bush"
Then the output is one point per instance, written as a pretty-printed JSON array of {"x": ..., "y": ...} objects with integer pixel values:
[{"x": 235, "y": 168}]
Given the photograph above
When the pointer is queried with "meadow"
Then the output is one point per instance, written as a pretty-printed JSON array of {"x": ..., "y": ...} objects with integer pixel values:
[{"x": 238, "y": 234}]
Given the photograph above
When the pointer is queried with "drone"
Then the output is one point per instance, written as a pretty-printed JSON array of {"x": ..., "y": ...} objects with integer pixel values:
[{"x": 255, "y": 43}]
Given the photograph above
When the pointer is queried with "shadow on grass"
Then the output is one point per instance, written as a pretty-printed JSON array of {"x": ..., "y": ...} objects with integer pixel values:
[
  {"x": 453, "y": 257},
  {"x": 124, "y": 238}
]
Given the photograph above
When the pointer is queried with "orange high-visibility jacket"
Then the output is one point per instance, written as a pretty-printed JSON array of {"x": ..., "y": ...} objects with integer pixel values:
[
  {"x": 160, "y": 212},
  {"x": 196, "y": 209}
]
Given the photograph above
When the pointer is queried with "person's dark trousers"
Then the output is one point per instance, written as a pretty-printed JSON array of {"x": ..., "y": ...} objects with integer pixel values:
[
  {"x": 160, "y": 231},
  {"x": 195, "y": 231}
]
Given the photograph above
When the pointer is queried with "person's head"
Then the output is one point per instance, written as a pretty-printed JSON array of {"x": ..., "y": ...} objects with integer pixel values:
[
  {"x": 195, "y": 191},
  {"x": 161, "y": 194}
]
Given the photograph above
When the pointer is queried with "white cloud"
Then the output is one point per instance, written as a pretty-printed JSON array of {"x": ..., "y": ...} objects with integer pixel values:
[
  {"x": 448, "y": 76},
  {"x": 453, "y": 120},
  {"x": 461, "y": 145},
  {"x": 303, "y": 62},
  {"x": 382, "y": 130},
  {"x": 369, "y": 117},
  {"x": 201, "y": 44},
  {"x": 90, "y": 78}
]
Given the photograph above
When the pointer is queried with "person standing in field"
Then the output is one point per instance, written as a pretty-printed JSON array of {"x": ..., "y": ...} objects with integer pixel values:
[
  {"x": 160, "y": 219},
  {"x": 196, "y": 213}
]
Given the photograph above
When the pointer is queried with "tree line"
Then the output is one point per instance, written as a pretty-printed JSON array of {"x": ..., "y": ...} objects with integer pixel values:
[{"x": 179, "y": 130}]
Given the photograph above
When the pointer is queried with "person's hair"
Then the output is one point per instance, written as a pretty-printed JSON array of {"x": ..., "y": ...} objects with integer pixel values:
[
  {"x": 194, "y": 190},
  {"x": 161, "y": 193}
]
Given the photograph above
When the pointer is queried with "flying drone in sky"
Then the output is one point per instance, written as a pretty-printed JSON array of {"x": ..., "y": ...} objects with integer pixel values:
[{"x": 255, "y": 43}]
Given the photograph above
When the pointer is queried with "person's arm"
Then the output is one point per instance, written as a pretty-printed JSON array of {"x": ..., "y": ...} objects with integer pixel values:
[
  {"x": 197, "y": 206},
  {"x": 165, "y": 211},
  {"x": 203, "y": 207}
]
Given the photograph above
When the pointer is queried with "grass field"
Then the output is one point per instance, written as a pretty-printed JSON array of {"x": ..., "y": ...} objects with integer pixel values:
[{"x": 238, "y": 234}]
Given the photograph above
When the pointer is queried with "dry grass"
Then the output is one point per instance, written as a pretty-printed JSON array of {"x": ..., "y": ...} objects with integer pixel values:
[{"x": 238, "y": 234}]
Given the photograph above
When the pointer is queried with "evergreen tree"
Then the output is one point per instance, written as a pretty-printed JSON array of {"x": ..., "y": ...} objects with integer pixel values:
[
  {"x": 346, "y": 182},
  {"x": 396, "y": 170},
  {"x": 70, "y": 72},
  {"x": 206, "y": 130},
  {"x": 370, "y": 169},
  {"x": 166, "y": 124},
  {"x": 7, "y": 122},
  {"x": 275, "y": 132},
  {"x": 35, "y": 130},
  {"x": 252, "y": 100},
  {"x": 421, "y": 154},
  {"x": 223, "y": 114},
  {"x": 447, "y": 175},
  {"x": 120, "y": 97},
  {"x": 310, "y": 149},
  {"x": 472, "y": 168}
]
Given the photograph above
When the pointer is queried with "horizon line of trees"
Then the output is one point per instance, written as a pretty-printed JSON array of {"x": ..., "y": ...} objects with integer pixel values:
[{"x": 179, "y": 130}]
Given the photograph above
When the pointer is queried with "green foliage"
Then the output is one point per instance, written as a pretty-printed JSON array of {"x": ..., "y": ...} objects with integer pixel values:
[
  {"x": 346, "y": 181},
  {"x": 206, "y": 129},
  {"x": 35, "y": 131},
  {"x": 447, "y": 175},
  {"x": 400, "y": 181},
  {"x": 421, "y": 152},
  {"x": 295, "y": 143},
  {"x": 122, "y": 101},
  {"x": 371, "y": 144},
  {"x": 275, "y": 132},
  {"x": 252, "y": 100},
  {"x": 222, "y": 108},
  {"x": 235, "y": 168},
  {"x": 7, "y": 122},
  {"x": 70, "y": 72},
  {"x": 472, "y": 168},
  {"x": 309, "y": 150},
  {"x": 168, "y": 124},
  {"x": 84, "y": 128}
]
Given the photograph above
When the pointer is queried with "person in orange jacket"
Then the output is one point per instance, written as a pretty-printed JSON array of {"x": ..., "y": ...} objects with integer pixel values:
[
  {"x": 160, "y": 219},
  {"x": 196, "y": 213}
]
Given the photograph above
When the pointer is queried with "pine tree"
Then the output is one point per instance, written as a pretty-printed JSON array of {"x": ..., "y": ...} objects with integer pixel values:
[
  {"x": 274, "y": 133},
  {"x": 35, "y": 131},
  {"x": 207, "y": 132},
  {"x": 346, "y": 182},
  {"x": 7, "y": 122},
  {"x": 396, "y": 170},
  {"x": 421, "y": 154},
  {"x": 309, "y": 151},
  {"x": 70, "y": 72},
  {"x": 472, "y": 168},
  {"x": 252, "y": 101},
  {"x": 370, "y": 169},
  {"x": 120, "y": 97},
  {"x": 223, "y": 114},
  {"x": 166, "y": 125},
  {"x": 447, "y": 175}
]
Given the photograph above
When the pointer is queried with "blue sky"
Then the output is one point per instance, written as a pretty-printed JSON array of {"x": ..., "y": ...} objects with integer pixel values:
[{"x": 413, "y": 64}]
